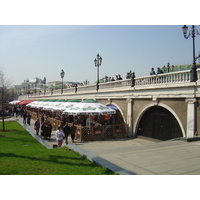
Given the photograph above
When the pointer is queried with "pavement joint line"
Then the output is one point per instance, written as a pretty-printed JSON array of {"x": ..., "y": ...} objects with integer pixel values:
[{"x": 99, "y": 160}]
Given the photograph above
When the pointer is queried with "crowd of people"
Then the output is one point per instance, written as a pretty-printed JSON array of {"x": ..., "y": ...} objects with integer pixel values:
[
  {"x": 63, "y": 133},
  {"x": 109, "y": 79},
  {"x": 159, "y": 71},
  {"x": 20, "y": 112},
  {"x": 131, "y": 75},
  {"x": 44, "y": 126}
]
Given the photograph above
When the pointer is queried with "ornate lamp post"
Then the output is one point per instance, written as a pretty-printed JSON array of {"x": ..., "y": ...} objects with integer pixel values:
[
  {"x": 35, "y": 86},
  {"x": 44, "y": 81},
  {"x": 97, "y": 62},
  {"x": 192, "y": 33},
  {"x": 62, "y": 74}
]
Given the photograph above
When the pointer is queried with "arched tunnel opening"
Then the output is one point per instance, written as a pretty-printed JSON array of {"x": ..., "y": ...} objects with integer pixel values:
[{"x": 159, "y": 123}]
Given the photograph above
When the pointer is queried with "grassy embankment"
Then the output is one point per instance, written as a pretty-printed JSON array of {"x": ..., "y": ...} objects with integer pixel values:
[{"x": 21, "y": 154}]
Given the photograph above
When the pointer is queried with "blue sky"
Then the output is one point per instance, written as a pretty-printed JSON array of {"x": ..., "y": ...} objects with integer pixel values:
[
  {"x": 30, "y": 46},
  {"x": 42, "y": 51}
]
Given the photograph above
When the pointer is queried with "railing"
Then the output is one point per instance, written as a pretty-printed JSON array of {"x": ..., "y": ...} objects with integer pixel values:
[
  {"x": 54, "y": 122},
  {"x": 178, "y": 77},
  {"x": 104, "y": 132},
  {"x": 174, "y": 77}
]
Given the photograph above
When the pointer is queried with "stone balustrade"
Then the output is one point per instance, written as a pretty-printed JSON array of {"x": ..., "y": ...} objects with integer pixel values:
[
  {"x": 166, "y": 78},
  {"x": 161, "y": 80}
]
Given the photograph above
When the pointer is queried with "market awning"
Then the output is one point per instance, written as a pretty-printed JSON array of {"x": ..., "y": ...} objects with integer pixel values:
[
  {"x": 89, "y": 107},
  {"x": 113, "y": 107},
  {"x": 25, "y": 102},
  {"x": 14, "y": 102}
]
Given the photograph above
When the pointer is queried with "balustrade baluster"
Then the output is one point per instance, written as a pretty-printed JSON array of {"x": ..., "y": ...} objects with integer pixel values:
[
  {"x": 161, "y": 79},
  {"x": 198, "y": 74}
]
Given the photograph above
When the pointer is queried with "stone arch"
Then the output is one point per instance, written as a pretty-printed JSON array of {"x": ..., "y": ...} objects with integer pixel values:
[
  {"x": 122, "y": 114},
  {"x": 164, "y": 106}
]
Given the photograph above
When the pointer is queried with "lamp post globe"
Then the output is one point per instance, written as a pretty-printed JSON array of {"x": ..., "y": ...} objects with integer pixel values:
[{"x": 185, "y": 29}]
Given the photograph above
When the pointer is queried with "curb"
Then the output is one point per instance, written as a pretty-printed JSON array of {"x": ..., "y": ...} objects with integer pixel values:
[{"x": 40, "y": 140}]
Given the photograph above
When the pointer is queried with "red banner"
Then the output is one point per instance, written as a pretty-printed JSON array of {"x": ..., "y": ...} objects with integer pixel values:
[{"x": 97, "y": 132}]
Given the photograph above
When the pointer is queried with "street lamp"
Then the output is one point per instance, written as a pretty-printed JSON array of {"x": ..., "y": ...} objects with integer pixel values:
[
  {"x": 44, "y": 81},
  {"x": 97, "y": 62},
  {"x": 35, "y": 86},
  {"x": 192, "y": 33},
  {"x": 62, "y": 74}
]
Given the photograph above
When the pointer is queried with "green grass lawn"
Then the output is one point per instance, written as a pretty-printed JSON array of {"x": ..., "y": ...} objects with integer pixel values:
[{"x": 21, "y": 154}]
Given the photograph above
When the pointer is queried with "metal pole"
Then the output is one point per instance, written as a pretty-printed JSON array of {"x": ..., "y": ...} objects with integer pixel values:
[
  {"x": 62, "y": 86},
  {"x": 97, "y": 63},
  {"x": 194, "y": 68},
  {"x": 97, "y": 75}
]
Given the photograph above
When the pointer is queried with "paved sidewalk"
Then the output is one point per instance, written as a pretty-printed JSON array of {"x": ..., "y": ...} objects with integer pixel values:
[
  {"x": 138, "y": 156},
  {"x": 162, "y": 158}
]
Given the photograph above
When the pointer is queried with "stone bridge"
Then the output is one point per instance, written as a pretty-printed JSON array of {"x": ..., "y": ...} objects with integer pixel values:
[{"x": 162, "y": 107}]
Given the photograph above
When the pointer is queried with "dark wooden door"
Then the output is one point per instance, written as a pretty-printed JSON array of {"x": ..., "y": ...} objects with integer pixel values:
[{"x": 158, "y": 123}]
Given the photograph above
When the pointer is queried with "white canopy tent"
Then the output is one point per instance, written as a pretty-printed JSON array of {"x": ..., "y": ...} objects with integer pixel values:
[
  {"x": 14, "y": 102},
  {"x": 64, "y": 106},
  {"x": 89, "y": 107}
]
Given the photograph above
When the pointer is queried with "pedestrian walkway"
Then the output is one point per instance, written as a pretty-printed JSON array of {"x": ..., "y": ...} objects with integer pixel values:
[{"x": 137, "y": 156}]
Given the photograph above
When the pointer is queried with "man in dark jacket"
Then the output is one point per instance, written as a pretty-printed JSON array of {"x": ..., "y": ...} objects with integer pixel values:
[
  {"x": 66, "y": 130},
  {"x": 24, "y": 118}
]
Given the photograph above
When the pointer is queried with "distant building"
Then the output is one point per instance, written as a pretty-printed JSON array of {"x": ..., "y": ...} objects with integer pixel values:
[
  {"x": 36, "y": 85},
  {"x": 29, "y": 86}
]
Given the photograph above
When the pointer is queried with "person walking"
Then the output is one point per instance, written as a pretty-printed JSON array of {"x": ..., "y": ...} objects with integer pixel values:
[
  {"x": 28, "y": 119},
  {"x": 73, "y": 132},
  {"x": 49, "y": 130},
  {"x": 66, "y": 130},
  {"x": 42, "y": 119},
  {"x": 37, "y": 126},
  {"x": 59, "y": 136},
  {"x": 44, "y": 129},
  {"x": 24, "y": 118}
]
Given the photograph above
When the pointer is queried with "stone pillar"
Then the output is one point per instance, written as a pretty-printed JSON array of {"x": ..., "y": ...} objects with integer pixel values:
[
  {"x": 191, "y": 117},
  {"x": 130, "y": 117}
]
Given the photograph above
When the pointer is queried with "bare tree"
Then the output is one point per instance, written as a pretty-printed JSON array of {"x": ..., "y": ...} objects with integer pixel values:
[{"x": 4, "y": 94}]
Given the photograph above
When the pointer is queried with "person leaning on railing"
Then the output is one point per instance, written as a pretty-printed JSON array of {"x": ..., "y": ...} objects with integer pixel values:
[
  {"x": 159, "y": 71},
  {"x": 152, "y": 72}
]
